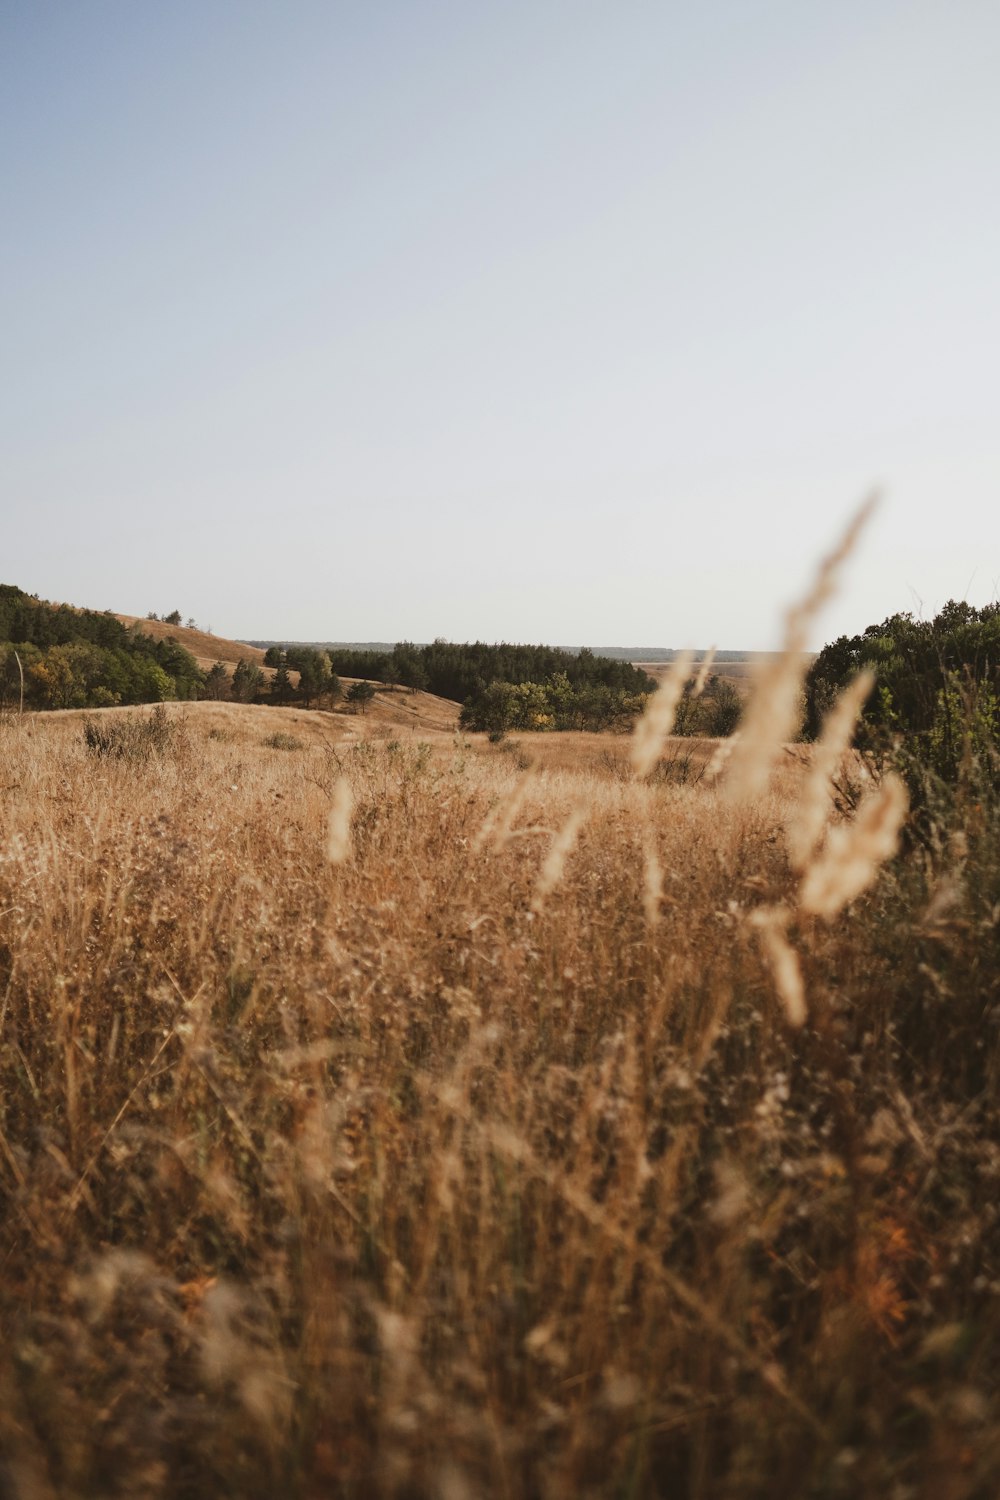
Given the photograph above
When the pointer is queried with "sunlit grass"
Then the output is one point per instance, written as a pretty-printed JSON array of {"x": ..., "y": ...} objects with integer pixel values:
[{"x": 380, "y": 1119}]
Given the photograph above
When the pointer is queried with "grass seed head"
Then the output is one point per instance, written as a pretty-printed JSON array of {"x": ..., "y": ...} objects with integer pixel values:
[
  {"x": 770, "y": 922},
  {"x": 658, "y": 719},
  {"x": 699, "y": 683},
  {"x": 812, "y": 811},
  {"x": 338, "y": 825},
  {"x": 854, "y": 852},
  {"x": 555, "y": 861},
  {"x": 772, "y": 714}
]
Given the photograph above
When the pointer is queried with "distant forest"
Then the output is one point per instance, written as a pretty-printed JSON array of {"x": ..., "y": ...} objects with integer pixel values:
[
  {"x": 57, "y": 657},
  {"x": 509, "y": 686},
  {"x": 611, "y": 653},
  {"x": 80, "y": 658}
]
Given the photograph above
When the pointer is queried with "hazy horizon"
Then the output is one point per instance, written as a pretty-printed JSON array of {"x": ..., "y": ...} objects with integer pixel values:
[{"x": 532, "y": 322}]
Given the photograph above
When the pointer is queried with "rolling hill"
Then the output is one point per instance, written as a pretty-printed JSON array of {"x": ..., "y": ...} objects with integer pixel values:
[{"x": 205, "y": 648}]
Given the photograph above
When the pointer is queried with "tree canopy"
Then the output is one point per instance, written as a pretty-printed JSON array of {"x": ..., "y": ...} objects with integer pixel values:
[
  {"x": 937, "y": 681},
  {"x": 509, "y": 686},
  {"x": 80, "y": 658}
]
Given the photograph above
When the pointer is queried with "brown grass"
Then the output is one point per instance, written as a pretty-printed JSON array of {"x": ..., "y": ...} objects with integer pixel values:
[
  {"x": 739, "y": 674},
  {"x": 205, "y": 648},
  {"x": 346, "y": 1152}
]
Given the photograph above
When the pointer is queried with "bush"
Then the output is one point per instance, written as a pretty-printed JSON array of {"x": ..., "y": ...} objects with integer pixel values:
[
  {"x": 133, "y": 738},
  {"x": 282, "y": 741}
]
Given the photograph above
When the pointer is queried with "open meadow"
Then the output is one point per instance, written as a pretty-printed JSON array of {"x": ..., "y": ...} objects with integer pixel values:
[
  {"x": 390, "y": 1113},
  {"x": 443, "y": 1057}
]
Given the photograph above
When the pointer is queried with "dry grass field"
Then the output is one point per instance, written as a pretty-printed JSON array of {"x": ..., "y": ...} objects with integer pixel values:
[
  {"x": 381, "y": 1118},
  {"x": 739, "y": 673}
]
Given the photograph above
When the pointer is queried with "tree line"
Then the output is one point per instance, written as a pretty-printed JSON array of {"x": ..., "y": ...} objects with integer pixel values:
[
  {"x": 55, "y": 656},
  {"x": 937, "y": 685},
  {"x": 62, "y": 657},
  {"x": 507, "y": 686},
  {"x": 80, "y": 658}
]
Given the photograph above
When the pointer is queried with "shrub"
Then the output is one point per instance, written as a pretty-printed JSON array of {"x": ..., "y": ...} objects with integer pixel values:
[
  {"x": 282, "y": 741},
  {"x": 134, "y": 738}
]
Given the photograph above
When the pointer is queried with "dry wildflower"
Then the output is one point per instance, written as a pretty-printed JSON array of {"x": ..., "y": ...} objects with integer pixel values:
[
  {"x": 621, "y": 1390},
  {"x": 338, "y": 827},
  {"x": 452, "y": 1484},
  {"x": 541, "y": 1343},
  {"x": 703, "y": 670},
  {"x": 555, "y": 861},
  {"x": 854, "y": 851},
  {"x": 732, "y": 1202},
  {"x": 652, "y": 879},
  {"x": 770, "y": 922},
  {"x": 721, "y": 756},
  {"x": 772, "y": 713},
  {"x": 97, "y": 1287},
  {"x": 656, "y": 723},
  {"x": 498, "y": 823},
  {"x": 945, "y": 897},
  {"x": 236, "y": 1351},
  {"x": 808, "y": 825}
]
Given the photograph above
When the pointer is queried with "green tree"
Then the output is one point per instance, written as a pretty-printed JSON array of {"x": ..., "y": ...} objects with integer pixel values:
[
  {"x": 314, "y": 674},
  {"x": 248, "y": 680},
  {"x": 408, "y": 668},
  {"x": 10, "y": 672},
  {"x": 281, "y": 685},
  {"x": 180, "y": 665},
  {"x": 725, "y": 707},
  {"x": 915, "y": 661},
  {"x": 217, "y": 682},
  {"x": 360, "y": 694}
]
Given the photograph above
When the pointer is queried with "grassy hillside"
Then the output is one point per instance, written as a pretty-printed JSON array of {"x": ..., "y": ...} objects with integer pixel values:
[
  {"x": 205, "y": 648},
  {"x": 379, "y": 1117}
]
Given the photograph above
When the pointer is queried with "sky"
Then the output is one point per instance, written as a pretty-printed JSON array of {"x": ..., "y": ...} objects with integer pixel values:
[{"x": 564, "y": 322}]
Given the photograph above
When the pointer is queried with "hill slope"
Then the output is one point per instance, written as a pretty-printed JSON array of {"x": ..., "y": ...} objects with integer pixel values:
[{"x": 205, "y": 648}]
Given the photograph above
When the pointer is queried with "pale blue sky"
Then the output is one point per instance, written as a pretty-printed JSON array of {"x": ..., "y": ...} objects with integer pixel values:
[{"x": 555, "y": 321}]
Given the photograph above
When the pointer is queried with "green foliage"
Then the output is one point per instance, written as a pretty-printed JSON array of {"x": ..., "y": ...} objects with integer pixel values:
[
  {"x": 83, "y": 659},
  {"x": 273, "y": 656},
  {"x": 313, "y": 668},
  {"x": 553, "y": 704},
  {"x": 409, "y": 667},
  {"x": 915, "y": 661},
  {"x": 217, "y": 685},
  {"x": 281, "y": 684},
  {"x": 935, "y": 711},
  {"x": 715, "y": 714},
  {"x": 464, "y": 672},
  {"x": 360, "y": 694},
  {"x": 248, "y": 681}
]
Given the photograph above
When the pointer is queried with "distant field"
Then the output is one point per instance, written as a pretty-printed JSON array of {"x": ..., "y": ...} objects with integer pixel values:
[{"x": 740, "y": 672}]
